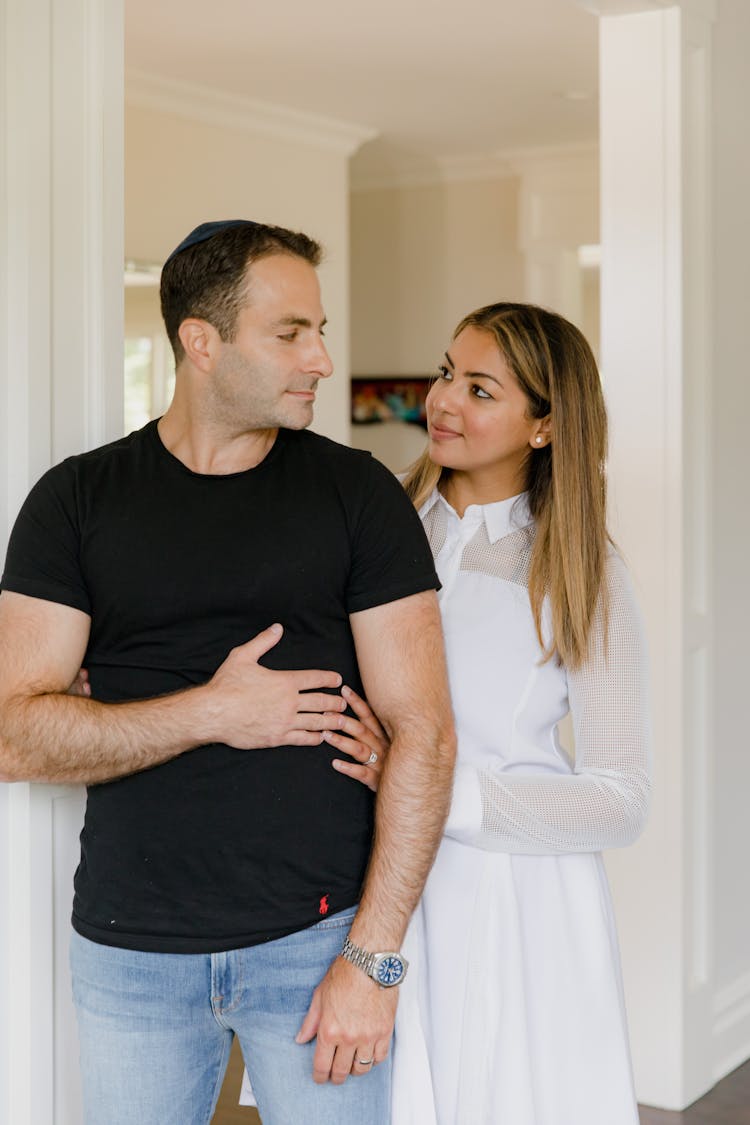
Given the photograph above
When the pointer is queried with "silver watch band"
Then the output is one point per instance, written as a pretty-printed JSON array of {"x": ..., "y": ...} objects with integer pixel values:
[{"x": 359, "y": 957}]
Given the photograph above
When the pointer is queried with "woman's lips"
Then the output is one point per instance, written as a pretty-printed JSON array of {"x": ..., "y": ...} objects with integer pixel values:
[{"x": 442, "y": 433}]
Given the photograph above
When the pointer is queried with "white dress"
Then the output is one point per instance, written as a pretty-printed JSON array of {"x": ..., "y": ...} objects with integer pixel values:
[{"x": 512, "y": 1011}]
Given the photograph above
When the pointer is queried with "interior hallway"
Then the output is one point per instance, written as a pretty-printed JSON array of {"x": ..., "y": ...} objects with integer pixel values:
[
  {"x": 227, "y": 1111},
  {"x": 727, "y": 1104}
]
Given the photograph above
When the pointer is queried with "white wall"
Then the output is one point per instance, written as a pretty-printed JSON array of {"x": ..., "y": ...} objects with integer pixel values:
[
  {"x": 558, "y": 213},
  {"x": 181, "y": 171},
  {"x": 142, "y": 311},
  {"x": 730, "y": 406},
  {"x": 60, "y": 391},
  {"x": 675, "y": 183},
  {"x": 422, "y": 257}
]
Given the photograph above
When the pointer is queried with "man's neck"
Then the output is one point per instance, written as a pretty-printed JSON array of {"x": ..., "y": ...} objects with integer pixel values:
[{"x": 210, "y": 450}]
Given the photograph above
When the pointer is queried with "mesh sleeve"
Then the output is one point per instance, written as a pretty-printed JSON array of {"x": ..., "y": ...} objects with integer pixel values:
[{"x": 603, "y": 803}]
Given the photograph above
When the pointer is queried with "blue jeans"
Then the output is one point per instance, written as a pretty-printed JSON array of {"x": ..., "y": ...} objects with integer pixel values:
[{"x": 156, "y": 1029}]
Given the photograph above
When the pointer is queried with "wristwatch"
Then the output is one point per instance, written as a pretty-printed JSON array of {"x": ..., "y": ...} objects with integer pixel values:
[{"x": 386, "y": 969}]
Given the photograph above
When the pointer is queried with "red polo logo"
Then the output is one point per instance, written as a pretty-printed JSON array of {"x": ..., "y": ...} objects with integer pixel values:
[{"x": 323, "y": 908}]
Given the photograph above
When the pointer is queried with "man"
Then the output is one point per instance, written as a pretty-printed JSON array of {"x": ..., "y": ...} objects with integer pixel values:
[{"x": 204, "y": 569}]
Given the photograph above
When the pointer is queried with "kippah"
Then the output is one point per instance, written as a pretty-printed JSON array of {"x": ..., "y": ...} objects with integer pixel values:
[{"x": 206, "y": 231}]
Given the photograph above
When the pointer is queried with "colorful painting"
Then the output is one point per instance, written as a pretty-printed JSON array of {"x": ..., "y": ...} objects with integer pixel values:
[{"x": 385, "y": 399}]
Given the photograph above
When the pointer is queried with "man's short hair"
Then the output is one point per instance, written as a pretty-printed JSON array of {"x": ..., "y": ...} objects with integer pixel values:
[{"x": 205, "y": 276}]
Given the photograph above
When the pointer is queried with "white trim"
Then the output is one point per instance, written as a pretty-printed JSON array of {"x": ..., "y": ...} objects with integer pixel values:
[
  {"x": 216, "y": 107},
  {"x": 656, "y": 347},
  {"x": 104, "y": 33},
  {"x": 525, "y": 159},
  {"x": 731, "y": 1012},
  {"x": 443, "y": 169},
  {"x": 473, "y": 167},
  {"x": 590, "y": 256},
  {"x": 696, "y": 86},
  {"x": 61, "y": 207},
  {"x": 705, "y": 9},
  {"x": 732, "y": 1004},
  {"x": 395, "y": 180}
]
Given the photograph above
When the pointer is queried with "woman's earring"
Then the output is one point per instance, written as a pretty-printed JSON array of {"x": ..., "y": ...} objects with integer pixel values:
[{"x": 538, "y": 440}]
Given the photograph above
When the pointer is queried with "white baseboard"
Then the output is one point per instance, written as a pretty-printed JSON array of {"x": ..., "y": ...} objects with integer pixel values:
[{"x": 731, "y": 1027}]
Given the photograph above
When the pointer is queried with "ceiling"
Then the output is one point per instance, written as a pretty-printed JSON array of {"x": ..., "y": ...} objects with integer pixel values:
[{"x": 436, "y": 81}]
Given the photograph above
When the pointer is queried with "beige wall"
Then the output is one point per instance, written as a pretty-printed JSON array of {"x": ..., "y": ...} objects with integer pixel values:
[
  {"x": 181, "y": 172},
  {"x": 422, "y": 257},
  {"x": 142, "y": 311}
]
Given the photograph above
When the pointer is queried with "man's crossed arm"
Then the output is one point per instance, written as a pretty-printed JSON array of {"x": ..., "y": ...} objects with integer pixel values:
[{"x": 47, "y": 735}]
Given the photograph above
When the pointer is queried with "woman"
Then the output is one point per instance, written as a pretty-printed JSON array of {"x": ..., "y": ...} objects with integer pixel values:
[{"x": 512, "y": 1013}]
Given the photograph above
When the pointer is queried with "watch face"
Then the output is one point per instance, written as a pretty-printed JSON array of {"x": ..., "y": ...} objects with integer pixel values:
[{"x": 390, "y": 970}]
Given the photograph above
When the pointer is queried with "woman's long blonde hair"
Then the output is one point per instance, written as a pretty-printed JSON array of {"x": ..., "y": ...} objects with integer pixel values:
[{"x": 565, "y": 480}]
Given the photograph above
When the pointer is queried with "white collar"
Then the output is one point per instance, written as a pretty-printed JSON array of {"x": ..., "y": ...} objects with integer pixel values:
[{"x": 500, "y": 518}]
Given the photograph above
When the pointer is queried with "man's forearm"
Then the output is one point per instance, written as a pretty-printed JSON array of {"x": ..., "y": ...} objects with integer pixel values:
[
  {"x": 402, "y": 661},
  {"x": 349, "y": 1013},
  {"x": 412, "y": 806},
  {"x": 49, "y": 736},
  {"x": 67, "y": 739}
]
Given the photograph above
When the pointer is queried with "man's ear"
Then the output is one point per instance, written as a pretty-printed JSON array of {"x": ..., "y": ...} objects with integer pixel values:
[{"x": 200, "y": 341}]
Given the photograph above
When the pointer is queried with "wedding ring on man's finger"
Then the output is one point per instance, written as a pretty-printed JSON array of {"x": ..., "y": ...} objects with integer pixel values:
[
  {"x": 371, "y": 761},
  {"x": 366, "y": 1062}
]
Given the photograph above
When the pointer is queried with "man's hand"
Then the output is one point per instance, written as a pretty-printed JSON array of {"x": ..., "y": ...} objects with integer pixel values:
[
  {"x": 52, "y": 730},
  {"x": 353, "y": 1019},
  {"x": 251, "y": 707}
]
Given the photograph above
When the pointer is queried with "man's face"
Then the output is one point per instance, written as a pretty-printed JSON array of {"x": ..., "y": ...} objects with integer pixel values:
[{"x": 266, "y": 377}]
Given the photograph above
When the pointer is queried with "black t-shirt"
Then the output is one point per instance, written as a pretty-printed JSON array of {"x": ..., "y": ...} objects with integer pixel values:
[{"x": 218, "y": 848}]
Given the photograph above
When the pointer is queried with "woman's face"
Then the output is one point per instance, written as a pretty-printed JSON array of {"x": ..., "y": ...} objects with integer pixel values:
[{"x": 477, "y": 413}]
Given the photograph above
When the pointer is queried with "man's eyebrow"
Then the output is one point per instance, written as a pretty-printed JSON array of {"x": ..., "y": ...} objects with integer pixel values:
[
  {"x": 299, "y": 322},
  {"x": 475, "y": 374}
]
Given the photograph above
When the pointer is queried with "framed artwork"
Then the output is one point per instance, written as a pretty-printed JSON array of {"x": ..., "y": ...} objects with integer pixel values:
[{"x": 378, "y": 398}]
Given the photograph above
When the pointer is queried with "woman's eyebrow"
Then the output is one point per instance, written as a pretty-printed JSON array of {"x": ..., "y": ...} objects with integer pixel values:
[
  {"x": 483, "y": 375},
  {"x": 474, "y": 374}
]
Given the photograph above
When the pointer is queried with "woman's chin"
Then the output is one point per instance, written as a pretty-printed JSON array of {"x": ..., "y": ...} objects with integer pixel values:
[{"x": 439, "y": 455}]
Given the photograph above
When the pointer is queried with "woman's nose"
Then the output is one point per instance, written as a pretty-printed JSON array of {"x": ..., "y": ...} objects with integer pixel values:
[{"x": 442, "y": 397}]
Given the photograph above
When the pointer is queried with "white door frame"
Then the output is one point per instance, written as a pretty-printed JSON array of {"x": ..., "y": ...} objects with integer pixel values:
[{"x": 61, "y": 197}]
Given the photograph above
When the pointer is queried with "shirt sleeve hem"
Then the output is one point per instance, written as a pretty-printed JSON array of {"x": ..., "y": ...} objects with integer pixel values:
[
  {"x": 393, "y": 593},
  {"x": 46, "y": 591}
]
